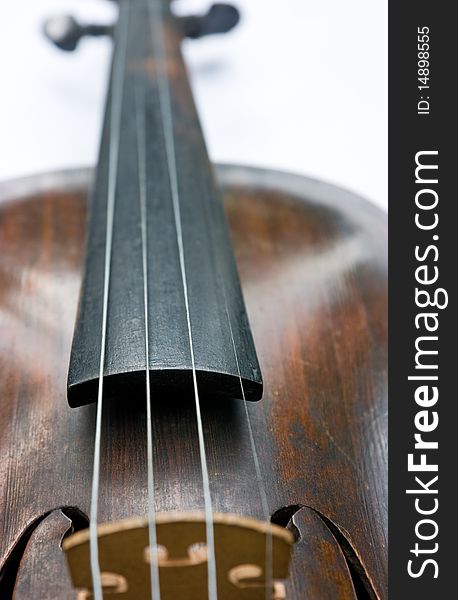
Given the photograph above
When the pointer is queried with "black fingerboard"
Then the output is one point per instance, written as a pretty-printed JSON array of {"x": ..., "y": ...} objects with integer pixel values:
[{"x": 152, "y": 151}]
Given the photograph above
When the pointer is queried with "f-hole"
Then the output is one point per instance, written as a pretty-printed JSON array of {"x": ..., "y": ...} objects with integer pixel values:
[
  {"x": 10, "y": 568},
  {"x": 359, "y": 576}
]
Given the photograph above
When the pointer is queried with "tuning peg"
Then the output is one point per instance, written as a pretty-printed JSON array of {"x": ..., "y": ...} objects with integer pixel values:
[
  {"x": 65, "y": 32},
  {"x": 220, "y": 18}
]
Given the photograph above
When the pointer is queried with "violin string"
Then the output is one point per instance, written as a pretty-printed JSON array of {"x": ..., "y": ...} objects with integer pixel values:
[
  {"x": 257, "y": 467},
  {"x": 115, "y": 127},
  {"x": 141, "y": 152},
  {"x": 167, "y": 126}
]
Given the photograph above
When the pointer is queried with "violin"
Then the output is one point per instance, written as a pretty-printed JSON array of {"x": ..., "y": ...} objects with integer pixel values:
[{"x": 193, "y": 360}]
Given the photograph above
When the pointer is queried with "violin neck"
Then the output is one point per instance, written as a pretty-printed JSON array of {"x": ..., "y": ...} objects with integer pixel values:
[{"x": 160, "y": 287}]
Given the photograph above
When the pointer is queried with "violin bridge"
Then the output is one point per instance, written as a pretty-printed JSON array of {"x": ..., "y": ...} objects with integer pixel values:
[{"x": 241, "y": 547}]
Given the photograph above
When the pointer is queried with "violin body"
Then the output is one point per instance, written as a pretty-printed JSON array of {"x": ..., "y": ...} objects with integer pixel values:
[{"x": 312, "y": 263}]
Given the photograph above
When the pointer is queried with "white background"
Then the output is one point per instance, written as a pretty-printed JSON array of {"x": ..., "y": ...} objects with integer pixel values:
[{"x": 300, "y": 85}]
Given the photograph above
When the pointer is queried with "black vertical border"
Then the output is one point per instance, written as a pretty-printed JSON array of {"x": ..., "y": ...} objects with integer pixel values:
[{"x": 408, "y": 134}]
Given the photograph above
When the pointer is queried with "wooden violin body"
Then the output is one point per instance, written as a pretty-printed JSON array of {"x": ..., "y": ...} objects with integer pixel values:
[{"x": 312, "y": 261}]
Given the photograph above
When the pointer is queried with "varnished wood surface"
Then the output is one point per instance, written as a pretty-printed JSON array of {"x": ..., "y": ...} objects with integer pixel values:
[{"x": 312, "y": 261}]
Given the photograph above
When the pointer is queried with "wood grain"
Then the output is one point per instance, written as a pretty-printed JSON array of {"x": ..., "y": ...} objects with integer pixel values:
[{"x": 312, "y": 261}]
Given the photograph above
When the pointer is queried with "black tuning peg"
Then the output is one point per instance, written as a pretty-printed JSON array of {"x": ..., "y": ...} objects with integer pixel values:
[
  {"x": 220, "y": 18},
  {"x": 65, "y": 32}
]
